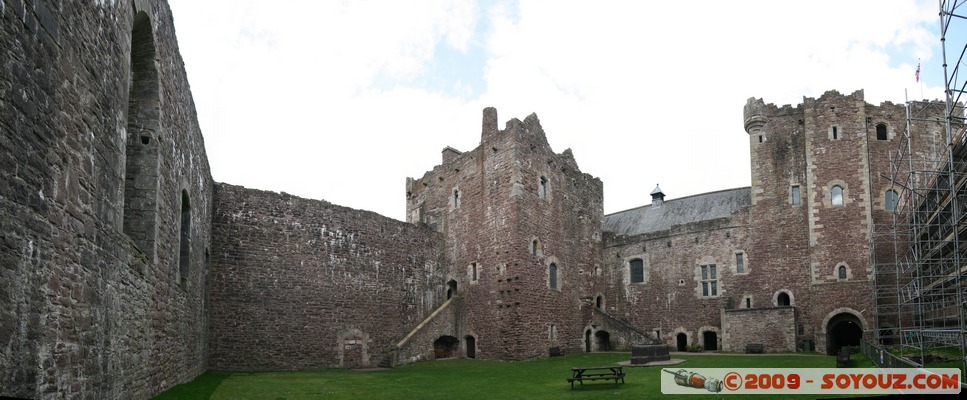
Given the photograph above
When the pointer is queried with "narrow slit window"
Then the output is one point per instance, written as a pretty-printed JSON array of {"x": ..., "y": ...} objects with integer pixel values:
[{"x": 552, "y": 276}]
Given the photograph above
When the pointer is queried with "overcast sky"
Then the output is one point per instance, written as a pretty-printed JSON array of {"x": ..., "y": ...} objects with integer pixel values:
[{"x": 342, "y": 100}]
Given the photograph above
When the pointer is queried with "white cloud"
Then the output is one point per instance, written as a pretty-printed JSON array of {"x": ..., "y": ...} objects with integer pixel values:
[{"x": 333, "y": 100}]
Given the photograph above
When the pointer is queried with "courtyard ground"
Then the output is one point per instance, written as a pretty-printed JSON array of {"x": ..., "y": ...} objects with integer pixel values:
[{"x": 480, "y": 379}]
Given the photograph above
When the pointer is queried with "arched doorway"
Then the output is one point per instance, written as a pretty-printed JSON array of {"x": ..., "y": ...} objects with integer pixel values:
[
  {"x": 710, "y": 340},
  {"x": 451, "y": 288},
  {"x": 602, "y": 340},
  {"x": 843, "y": 329},
  {"x": 681, "y": 342},
  {"x": 445, "y": 347},
  {"x": 783, "y": 299},
  {"x": 587, "y": 341},
  {"x": 471, "y": 346}
]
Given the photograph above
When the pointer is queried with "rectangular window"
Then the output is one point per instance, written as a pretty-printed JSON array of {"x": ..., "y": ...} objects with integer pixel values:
[
  {"x": 473, "y": 271},
  {"x": 796, "y": 196},
  {"x": 637, "y": 271},
  {"x": 709, "y": 281},
  {"x": 739, "y": 263}
]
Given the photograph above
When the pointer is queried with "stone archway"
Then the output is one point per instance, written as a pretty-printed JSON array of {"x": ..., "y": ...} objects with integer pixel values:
[
  {"x": 681, "y": 341},
  {"x": 602, "y": 341},
  {"x": 843, "y": 329},
  {"x": 353, "y": 348},
  {"x": 445, "y": 347},
  {"x": 710, "y": 341},
  {"x": 451, "y": 289}
]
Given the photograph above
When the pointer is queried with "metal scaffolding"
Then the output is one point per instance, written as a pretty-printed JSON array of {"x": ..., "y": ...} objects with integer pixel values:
[{"x": 919, "y": 272}]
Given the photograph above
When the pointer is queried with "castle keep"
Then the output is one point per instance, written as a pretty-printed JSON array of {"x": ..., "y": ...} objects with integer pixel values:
[{"x": 125, "y": 270}]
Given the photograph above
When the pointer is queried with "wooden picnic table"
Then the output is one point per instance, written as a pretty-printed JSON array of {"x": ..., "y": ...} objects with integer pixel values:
[{"x": 609, "y": 372}]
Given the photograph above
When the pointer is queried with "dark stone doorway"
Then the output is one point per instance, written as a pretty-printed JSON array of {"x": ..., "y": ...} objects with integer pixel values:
[
  {"x": 445, "y": 347},
  {"x": 603, "y": 340},
  {"x": 471, "y": 346},
  {"x": 844, "y": 329},
  {"x": 451, "y": 288},
  {"x": 587, "y": 341},
  {"x": 710, "y": 340},
  {"x": 681, "y": 342}
]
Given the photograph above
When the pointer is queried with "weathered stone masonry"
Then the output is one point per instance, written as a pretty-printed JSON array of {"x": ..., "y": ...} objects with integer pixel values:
[
  {"x": 125, "y": 270},
  {"x": 88, "y": 307},
  {"x": 299, "y": 283}
]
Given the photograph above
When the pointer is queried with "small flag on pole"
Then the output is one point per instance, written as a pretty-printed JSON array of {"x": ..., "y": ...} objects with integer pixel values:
[{"x": 918, "y": 72}]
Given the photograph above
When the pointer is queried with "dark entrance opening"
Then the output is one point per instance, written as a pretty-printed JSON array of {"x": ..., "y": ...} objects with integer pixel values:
[
  {"x": 603, "y": 340},
  {"x": 451, "y": 288},
  {"x": 445, "y": 347},
  {"x": 844, "y": 329},
  {"x": 599, "y": 303},
  {"x": 709, "y": 340},
  {"x": 783, "y": 299},
  {"x": 681, "y": 341},
  {"x": 471, "y": 346},
  {"x": 587, "y": 341}
]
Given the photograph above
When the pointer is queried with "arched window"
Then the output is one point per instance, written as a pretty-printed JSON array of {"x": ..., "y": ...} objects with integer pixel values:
[
  {"x": 542, "y": 190},
  {"x": 783, "y": 299},
  {"x": 881, "y": 132},
  {"x": 599, "y": 302},
  {"x": 552, "y": 276},
  {"x": 891, "y": 200},
  {"x": 842, "y": 272},
  {"x": 837, "y": 195},
  {"x": 535, "y": 245},
  {"x": 142, "y": 142},
  {"x": 637, "y": 267},
  {"x": 456, "y": 198}
]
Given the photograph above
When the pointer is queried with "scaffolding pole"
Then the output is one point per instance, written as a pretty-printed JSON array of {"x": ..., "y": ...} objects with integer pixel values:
[{"x": 919, "y": 286}]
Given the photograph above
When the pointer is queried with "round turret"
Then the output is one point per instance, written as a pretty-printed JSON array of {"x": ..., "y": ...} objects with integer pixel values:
[{"x": 754, "y": 113}]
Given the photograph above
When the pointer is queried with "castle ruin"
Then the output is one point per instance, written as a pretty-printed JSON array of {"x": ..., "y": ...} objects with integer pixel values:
[{"x": 125, "y": 270}]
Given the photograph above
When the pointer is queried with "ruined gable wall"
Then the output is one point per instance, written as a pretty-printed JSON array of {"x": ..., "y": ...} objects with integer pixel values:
[
  {"x": 85, "y": 312},
  {"x": 299, "y": 283}
]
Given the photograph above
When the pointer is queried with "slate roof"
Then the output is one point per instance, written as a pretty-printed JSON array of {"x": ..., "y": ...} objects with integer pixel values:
[{"x": 702, "y": 207}]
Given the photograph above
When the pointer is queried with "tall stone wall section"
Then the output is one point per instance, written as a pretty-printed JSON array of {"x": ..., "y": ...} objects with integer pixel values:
[
  {"x": 88, "y": 308},
  {"x": 511, "y": 211},
  {"x": 299, "y": 283}
]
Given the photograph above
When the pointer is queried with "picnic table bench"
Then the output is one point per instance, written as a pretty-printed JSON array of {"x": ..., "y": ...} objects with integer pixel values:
[{"x": 581, "y": 374}]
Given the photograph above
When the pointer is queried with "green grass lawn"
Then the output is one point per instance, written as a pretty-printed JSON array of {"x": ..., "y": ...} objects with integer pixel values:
[{"x": 478, "y": 379}]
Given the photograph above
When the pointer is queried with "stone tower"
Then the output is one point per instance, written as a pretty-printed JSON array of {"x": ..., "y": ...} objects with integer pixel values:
[
  {"x": 522, "y": 229},
  {"x": 819, "y": 181}
]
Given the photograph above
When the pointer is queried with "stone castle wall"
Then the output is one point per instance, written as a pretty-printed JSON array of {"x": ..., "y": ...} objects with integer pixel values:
[
  {"x": 298, "y": 283},
  {"x": 105, "y": 203}
]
